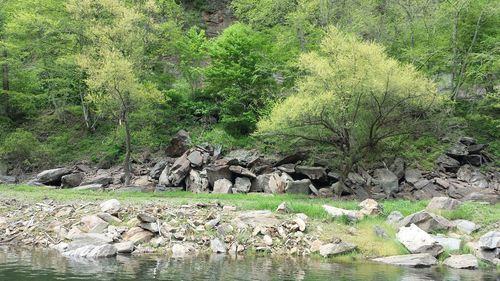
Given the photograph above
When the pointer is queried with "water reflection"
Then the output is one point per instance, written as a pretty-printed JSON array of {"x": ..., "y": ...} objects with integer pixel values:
[{"x": 44, "y": 265}]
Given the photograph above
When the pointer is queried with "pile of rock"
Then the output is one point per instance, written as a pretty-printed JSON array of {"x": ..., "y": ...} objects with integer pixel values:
[{"x": 203, "y": 169}]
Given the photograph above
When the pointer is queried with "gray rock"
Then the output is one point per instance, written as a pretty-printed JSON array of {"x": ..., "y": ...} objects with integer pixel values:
[
  {"x": 218, "y": 246},
  {"x": 182, "y": 250},
  {"x": 157, "y": 169},
  {"x": 449, "y": 243},
  {"x": 179, "y": 170},
  {"x": 242, "y": 185},
  {"x": 111, "y": 206},
  {"x": 196, "y": 183},
  {"x": 313, "y": 173},
  {"x": 93, "y": 223},
  {"x": 125, "y": 247},
  {"x": 287, "y": 168},
  {"x": 7, "y": 180},
  {"x": 462, "y": 261},
  {"x": 486, "y": 195},
  {"x": 398, "y": 168},
  {"x": 387, "y": 180},
  {"x": 356, "y": 179},
  {"x": 418, "y": 241},
  {"x": 150, "y": 226},
  {"x": 476, "y": 148},
  {"x": 179, "y": 144},
  {"x": 472, "y": 176},
  {"x": 414, "y": 260},
  {"x": 276, "y": 184},
  {"x": 92, "y": 251},
  {"x": 299, "y": 186},
  {"x": 465, "y": 226},
  {"x": 332, "y": 249},
  {"x": 443, "y": 203},
  {"x": 427, "y": 221},
  {"x": 195, "y": 158},
  {"x": 143, "y": 217},
  {"x": 467, "y": 140},
  {"x": 72, "y": 180},
  {"x": 109, "y": 218},
  {"x": 242, "y": 157},
  {"x": 490, "y": 240},
  {"x": 488, "y": 255},
  {"x": 412, "y": 176},
  {"x": 163, "y": 179},
  {"x": 258, "y": 218},
  {"x": 52, "y": 177},
  {"x": 394, "y": 217},
  {"x": 103, "y": 180},
  {"x": 457, "y": 150},
  {"x": 242, "y": 171},
  {"x": 448, "y": 163},
  {"x": 215, "y": 173},
  {"x": 222, "y": 186},
  {"x": 261, "y": 183}
]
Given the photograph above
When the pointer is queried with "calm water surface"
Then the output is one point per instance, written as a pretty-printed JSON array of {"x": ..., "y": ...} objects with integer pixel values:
[{"x": 45, "y": 265}]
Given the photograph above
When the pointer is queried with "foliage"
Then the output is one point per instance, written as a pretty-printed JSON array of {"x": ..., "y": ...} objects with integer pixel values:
[
  {"x": 238, "y": 77},
  {"x": 20, "y": 146},
  {"x": 353, "y": 97}
]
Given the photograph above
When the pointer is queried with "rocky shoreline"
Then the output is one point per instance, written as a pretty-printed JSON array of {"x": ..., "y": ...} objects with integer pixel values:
[
  {"x": 203, "y": 169},
  {"x": 109, "y": 228}
]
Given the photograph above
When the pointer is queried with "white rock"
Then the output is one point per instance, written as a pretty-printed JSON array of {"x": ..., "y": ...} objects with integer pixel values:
[
  {"x": 452, "y": 244},
  {"x": 414, "y": 260},
  {"x": 338, "y": 212},
  {"x": 418, "y": 241},
  {"x": 336, "y": 248},
  {"x": 490, "y": 240},
  {"x": 111, "y": 206},
  {"x": 462, "y": 261},
  {"x": 443, "y": 203},
  {"x": 217, "y": 246},
  {"x": 124, "y": 247},
  {"x": 465, "y": 226}
]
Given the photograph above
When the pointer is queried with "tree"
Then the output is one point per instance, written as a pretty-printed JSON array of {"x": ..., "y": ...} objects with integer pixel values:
[
  {"x": 112, "y": 60},
  {"x": 353, "y": 97},
  {"x": 239, "y": 78}
]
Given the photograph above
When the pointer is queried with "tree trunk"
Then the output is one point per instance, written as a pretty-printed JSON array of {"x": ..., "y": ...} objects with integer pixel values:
[
  {"x": 126, "y": 164},
  {"x": 455, "y": 55},
  {"x": 5, "y": 73}
]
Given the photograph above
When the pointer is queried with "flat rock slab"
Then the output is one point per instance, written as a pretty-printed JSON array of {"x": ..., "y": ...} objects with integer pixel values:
[
  {"x": 490, "y": 240},
  {"x": 465, "y": 226},
  {"x": 443, "y": 203},
  {"x": 332, "y": 249},
  {"x": 259, "y": 218},
  {"x": 462, "y": 262},
  {"x": 92, "y": 251},
  {"x": 414, "y": 260}
]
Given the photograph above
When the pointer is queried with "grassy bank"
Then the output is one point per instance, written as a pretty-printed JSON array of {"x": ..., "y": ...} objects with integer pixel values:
[{"x": 360, "y": 233}]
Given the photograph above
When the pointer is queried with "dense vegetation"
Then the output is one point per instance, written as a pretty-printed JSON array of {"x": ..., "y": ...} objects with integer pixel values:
[{"x": 109, "y": 79}]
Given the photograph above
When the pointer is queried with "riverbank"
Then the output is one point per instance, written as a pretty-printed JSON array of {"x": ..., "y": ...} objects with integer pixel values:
[{"x": 183, "y": 223}]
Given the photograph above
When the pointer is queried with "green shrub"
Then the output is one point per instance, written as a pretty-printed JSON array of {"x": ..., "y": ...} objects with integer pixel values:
[{"x": 20, "y": 147}]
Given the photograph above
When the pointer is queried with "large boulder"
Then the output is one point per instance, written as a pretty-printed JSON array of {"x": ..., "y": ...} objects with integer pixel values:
[
  {"x": 398, "y": 168},
  {"x": 418, "y": 241},
  {"x": 196, "y": 182},
  {"x": 179, "y": 170},
  {"x": 427, "y": 221},
  {"x": 103, "y": 178},
  {"x": 218, "y": 246},
  {"x": 163, "y": 178},
  {"x": 412, "y": 176},
  {"x": 414, "y": 260},
  {"x": 490, "y": 240},
  {"x": 179, "y": 144},
  {"x": 443, "y": 203},
  {"x": 242, "y": 185},
  {"x": 158, "y": 169},
  {"x": 313, "y": 173},
  {"x": 472, "y": 176},
  {"x": 299, "y": 186},
  {"x": 448, "y": 164},
  {"x": 218, "y": 172},
  {"x": 449, "y": 243},
  {"x": 276, "y": 184},
  {"x": 222, "y": 186},
  {"x": 387, "y": 180},
  {"x": 94, "y": 224},
  {"x": 53, "y": 176},
  {"x": 467, "y": 261},
  {"x": 242, "y": 171},
  {"x": 72, "y": 180},
  {"x": 197, "y": 158},
  {"x": 332, "y": 249},
  {"x": 261, "y": 183},
  {"x": 92, "y": 251}
]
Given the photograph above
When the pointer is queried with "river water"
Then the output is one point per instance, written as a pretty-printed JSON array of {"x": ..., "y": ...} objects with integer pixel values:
[{"x": 47, "y": 265}]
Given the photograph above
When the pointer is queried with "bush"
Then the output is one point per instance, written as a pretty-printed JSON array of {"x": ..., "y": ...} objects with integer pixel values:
[{"x": 20, "y": 147}]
